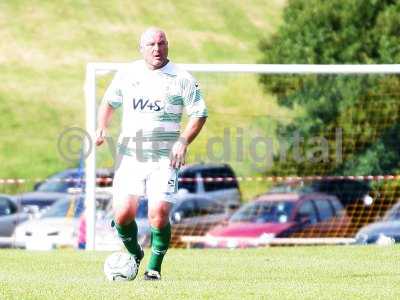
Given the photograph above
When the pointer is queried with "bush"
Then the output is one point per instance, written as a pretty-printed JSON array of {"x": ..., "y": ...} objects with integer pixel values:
[{"x": 364, "y": 107}]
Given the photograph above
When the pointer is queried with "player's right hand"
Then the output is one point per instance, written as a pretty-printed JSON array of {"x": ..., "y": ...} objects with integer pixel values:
[
  {"x": 100, "y": 136},
  {"x": 178, "y": 154}
]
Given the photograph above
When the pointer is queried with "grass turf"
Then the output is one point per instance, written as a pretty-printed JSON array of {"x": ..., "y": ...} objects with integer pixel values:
[{"x": 270, "y": 273}]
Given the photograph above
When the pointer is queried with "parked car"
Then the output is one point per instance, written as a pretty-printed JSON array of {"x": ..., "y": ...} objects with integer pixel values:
[
  {"x": 195, "y": 216},
  {"x": 283, "y": 215},
  {"x": 387, "y": 227},
  {"x": 215, "y": 182},
  {"x": 348, "y": 191},
  {"x": 56, "y": 187},
  {"x": 57, "y": 227},
  {"x": 10, "y": 216}
]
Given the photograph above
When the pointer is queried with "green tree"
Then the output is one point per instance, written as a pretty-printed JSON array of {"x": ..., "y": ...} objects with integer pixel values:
[{"x": 366, "y": 108}]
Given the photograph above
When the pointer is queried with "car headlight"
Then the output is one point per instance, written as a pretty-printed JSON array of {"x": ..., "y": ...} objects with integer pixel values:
[
  {"x": 384, "y": 240},
  {"x": 361, "y": 238},
  {"x": 368, "y": 200},
  {"x": 265, "y": 238}
]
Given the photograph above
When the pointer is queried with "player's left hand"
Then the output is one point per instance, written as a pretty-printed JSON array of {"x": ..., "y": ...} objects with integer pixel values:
[
  {"x": 100, "y": 136},
  {"x": 178, "y": 154}
]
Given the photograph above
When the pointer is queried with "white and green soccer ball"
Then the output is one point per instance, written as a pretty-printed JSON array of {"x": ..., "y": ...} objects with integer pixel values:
[{"x": 120, "y": 266}]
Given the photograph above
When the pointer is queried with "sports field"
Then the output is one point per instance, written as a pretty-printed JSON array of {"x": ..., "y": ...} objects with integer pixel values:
[{"x": 269, "y": 273}]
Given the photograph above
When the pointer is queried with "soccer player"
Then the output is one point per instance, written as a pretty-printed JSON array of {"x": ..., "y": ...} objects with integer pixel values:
[{"x": 153, "y": 93}]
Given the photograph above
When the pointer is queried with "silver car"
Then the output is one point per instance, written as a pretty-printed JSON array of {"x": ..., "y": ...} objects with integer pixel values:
[
  {"x": 385, "y": 230},
  {"x": 216, "y": 182},
  {"x": 10, "y": 216}
]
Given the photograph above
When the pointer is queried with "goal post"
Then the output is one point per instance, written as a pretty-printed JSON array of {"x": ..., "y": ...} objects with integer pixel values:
[{"x": 96, "y": 69}]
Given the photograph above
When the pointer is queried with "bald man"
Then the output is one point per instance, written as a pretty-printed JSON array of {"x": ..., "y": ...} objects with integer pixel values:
[{"x": 152, "y": 92}]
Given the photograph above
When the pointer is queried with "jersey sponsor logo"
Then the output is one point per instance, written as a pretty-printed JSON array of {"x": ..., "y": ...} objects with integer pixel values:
[{"x": 145, "y": 105}]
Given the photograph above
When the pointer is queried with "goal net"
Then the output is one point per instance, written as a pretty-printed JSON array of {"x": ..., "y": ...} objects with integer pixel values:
[{"x": 314, "y": 145}]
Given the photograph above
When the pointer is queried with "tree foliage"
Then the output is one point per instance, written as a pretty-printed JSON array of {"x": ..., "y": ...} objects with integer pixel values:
[{"x": 366, "y": 108}]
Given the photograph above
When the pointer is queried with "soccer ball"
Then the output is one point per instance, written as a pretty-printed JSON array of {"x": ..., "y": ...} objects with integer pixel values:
[{"x": 120, "y": 266}]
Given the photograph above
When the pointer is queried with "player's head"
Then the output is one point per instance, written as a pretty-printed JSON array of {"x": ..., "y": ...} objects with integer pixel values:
[{"x": 154, "y": 47}]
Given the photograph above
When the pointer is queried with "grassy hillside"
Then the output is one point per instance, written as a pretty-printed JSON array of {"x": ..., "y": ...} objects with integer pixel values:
[{"x": 46, "y": 44}]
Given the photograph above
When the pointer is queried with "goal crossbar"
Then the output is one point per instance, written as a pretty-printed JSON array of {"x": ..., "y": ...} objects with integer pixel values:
[{"x": 271, "y": 68}]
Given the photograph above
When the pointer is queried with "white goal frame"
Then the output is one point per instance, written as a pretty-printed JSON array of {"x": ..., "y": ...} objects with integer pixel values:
[{"x": 102, "y": 68}]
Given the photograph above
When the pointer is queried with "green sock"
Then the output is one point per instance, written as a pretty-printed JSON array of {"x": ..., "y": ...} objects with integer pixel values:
[
  {"x": 160, "y": 239},
  {"x": 128, "y": 235}
]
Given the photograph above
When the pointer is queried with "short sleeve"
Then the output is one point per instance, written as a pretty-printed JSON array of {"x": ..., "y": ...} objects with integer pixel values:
[
  {"x": 113, "y": 94},
  {"x": 193, "y": 99}
]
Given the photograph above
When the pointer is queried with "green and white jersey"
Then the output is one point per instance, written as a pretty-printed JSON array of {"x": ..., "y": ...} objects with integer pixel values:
[{"x": 153, "y": 102}]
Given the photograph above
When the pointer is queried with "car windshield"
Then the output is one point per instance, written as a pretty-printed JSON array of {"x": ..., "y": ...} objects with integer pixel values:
[
  {"x": 264, "y": 212},
  {"x": 393, "y": 214},
  {"x": 58, "y": 183},
  {"x": 63, "y": 208}
]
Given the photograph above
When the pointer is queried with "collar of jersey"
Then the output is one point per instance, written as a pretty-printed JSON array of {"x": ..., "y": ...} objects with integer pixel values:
[{"x": 169, "y": 68}]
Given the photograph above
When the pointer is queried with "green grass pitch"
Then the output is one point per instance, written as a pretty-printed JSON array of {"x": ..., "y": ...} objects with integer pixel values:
[{"x": 335, "y": 272}]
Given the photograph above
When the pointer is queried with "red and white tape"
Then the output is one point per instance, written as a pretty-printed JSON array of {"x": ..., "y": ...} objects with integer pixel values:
[{"x": 105, "y": 180}]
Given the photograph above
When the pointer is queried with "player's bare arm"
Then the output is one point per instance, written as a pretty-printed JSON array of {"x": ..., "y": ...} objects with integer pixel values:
[
  {"x": 104, "y": 118},
  {"x": 192, "y": 129}
]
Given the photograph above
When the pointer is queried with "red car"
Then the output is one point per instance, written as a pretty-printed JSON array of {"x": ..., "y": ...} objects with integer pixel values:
[{"x": 282, "y": 215}]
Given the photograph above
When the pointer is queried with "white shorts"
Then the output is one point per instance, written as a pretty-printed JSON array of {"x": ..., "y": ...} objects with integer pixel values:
[{"x": 156, "y": 180}]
